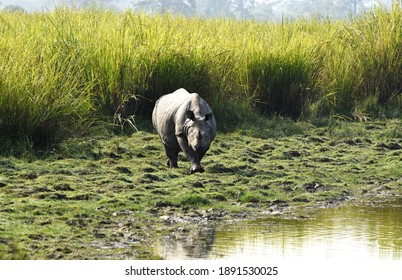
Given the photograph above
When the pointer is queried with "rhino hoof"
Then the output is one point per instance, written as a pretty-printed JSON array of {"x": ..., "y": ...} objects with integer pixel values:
[
  {"x": 172, "y": 164},
  {"x": 196, "y": 168}
]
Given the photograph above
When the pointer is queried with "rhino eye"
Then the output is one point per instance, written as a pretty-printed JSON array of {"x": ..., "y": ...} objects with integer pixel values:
[{"x": 208, "y": 116}]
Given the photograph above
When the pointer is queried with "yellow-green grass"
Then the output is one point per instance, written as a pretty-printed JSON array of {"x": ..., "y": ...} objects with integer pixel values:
[{"x": 65, "y": 72}]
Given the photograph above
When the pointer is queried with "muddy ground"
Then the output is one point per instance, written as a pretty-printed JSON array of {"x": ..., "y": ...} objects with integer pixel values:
[{"x": 109, "y": 197}]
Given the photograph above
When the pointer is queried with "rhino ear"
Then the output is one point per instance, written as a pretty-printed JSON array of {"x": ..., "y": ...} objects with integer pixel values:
[
  {"x": 208, "y": 116},
  {"x": 190, "y": 115}
]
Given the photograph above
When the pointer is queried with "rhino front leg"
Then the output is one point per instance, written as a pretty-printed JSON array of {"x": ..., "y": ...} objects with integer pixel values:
[
  {"x": 191, "y": 155},
  {"x": 201, "y": 153},
  {"x": 172, "y": 155}
]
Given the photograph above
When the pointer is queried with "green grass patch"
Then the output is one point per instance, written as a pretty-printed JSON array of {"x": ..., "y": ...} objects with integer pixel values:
[
  {"x": 108, "y": 197},
  {"x": 193, "y": 200},
  {"x": 251, "y": 197}
]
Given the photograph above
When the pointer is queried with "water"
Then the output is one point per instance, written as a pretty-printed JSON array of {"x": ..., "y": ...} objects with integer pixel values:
[{"x": 364, "y": 232}]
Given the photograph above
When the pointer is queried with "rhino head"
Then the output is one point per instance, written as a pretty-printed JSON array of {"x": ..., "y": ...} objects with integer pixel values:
[{"x": 199, "y": 132}]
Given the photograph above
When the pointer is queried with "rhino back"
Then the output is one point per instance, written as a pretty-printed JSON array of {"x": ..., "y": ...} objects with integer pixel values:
[{"x": 164, "y": 115}]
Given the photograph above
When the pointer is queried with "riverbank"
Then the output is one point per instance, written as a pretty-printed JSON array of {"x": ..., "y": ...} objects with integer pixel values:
[{"x": 109, "y": 197}]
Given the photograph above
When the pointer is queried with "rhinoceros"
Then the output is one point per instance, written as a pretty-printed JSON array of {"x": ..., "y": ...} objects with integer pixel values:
[{"x": 184, "y": 122}]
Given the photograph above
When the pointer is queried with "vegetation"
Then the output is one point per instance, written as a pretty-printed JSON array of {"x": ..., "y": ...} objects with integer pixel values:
[
  {"x": 73, "y": 77},
  {"x": 68, "y": 72},
  {"x": 111, "y": 197}
]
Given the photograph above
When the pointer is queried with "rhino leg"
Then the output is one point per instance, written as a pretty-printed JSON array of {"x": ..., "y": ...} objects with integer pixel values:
[
  {"x": 198, "y": 168},
  {"x": 172, "y": 155},
  {"x": 201, "y": 153},
  {"x": 191, "y": 155}
]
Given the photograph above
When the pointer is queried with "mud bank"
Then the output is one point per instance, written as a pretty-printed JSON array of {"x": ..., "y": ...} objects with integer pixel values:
[{"x": 108, "y": 197}]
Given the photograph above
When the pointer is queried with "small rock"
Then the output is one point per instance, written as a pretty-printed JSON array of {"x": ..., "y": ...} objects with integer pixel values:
[{"x": 164, "y": 218}]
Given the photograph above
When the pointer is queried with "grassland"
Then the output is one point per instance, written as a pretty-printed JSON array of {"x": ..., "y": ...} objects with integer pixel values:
[
  {"x": 110, "y": 197},
  {"x": 68, "y": 72},
  {"x": 73, "y": 188}
]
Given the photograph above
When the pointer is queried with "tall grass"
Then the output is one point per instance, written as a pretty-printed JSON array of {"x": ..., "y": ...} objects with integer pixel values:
[
  {"x": 362, "y": 69},
  {"x": 63, "y": 72}
]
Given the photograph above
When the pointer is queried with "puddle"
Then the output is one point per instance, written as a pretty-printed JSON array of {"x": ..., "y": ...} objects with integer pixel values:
[{"x": 365, "y": 232}]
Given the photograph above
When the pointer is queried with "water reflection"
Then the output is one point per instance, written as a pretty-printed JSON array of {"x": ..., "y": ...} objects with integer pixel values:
[
  {"x": 195, "y": 244},
  {"x": 369, "y": 232}
]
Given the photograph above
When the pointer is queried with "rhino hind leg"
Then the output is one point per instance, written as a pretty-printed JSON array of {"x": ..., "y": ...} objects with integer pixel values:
[{"x": 172, "y": 155}]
